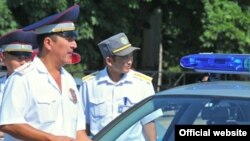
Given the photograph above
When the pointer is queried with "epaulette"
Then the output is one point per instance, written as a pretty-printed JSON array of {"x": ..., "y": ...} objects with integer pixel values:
[
  {"x": 90, "y": 76},
  {"x": 27, "y": 67},
  {"x": 143, "y": 77}
]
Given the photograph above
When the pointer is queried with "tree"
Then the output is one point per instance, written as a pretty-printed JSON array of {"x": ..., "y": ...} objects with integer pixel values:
[
  {"x": 181, "y": 28},
  {"x": 226, "y": 26},
  {"x": 7, "y": 23},
  {"x": 189, "y": 26}
]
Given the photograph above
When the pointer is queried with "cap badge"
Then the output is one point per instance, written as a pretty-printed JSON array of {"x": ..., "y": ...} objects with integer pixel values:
[
  {"x": 72, "y": 96},
  {"x": 124, "y": 40}
]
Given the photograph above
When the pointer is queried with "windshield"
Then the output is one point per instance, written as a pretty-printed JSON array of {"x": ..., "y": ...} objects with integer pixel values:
[{"x": 168, "y": 111}]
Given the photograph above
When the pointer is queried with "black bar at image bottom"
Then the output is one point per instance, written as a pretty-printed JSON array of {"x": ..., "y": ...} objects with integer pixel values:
[{"x": 198, "y": 132}]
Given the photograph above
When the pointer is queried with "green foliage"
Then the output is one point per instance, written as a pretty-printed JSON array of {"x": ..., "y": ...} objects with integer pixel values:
[
  {"x": 7, "y": 23},
  {"x": 181, "y": 28},
  {"x": 29, "y": 11},
  {"x": 194, "y": 26},
  {"x": 226, "y": 26},
  {"x": 101, "y": 19},
  {"x": 76, "y": 70},
  {"x": 188, "y": 26}
]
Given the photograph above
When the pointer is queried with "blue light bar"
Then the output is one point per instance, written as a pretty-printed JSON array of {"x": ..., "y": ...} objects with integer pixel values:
[{"x": 225, "y": 63}]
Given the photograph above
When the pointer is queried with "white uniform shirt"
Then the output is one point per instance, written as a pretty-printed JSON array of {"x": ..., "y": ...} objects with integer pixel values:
[
  {"x": 2, "y": 84},
  {"x": 33, "y": 97},
  {"x": 104, "y": 99}
]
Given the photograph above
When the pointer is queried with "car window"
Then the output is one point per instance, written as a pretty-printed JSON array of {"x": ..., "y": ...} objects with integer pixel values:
[
  {"x": 224, "y": 112},
  {"x": 179, "y": 111}
]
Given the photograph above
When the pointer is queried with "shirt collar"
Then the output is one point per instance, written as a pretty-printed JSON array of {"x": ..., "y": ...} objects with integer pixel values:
[
  {"x": 127, "y": 78},
  {"x": 41, "y": 67}
]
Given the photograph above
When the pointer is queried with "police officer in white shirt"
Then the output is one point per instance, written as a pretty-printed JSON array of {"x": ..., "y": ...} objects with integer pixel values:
[
  {"x": 16, "y": 49},
  {"x": 41, "y": 100},
  {"x": 111, "y": 91}
]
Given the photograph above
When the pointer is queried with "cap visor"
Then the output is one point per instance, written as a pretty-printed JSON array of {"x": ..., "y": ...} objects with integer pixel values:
[
  {"x": 69, "y": 34},
  {"x": 20, "y": 53}
]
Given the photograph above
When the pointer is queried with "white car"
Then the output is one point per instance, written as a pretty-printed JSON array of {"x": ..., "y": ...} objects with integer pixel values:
[{"x": 202, "y": 104}]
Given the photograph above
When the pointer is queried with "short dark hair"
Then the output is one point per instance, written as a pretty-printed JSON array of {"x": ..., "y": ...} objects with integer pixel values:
[{"x": 41, "y": 37}]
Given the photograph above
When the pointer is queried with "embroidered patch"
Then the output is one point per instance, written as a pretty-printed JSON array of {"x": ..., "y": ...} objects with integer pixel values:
[
  {"x": 72, "y": 96},
  {"x": 90, "y": 76}
]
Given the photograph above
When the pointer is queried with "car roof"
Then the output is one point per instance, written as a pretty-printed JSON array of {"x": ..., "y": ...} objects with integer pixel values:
[{"x": 215, "y": 88}]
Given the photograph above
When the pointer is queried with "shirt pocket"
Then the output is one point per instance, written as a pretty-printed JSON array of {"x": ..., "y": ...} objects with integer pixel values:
[
  {"x": 46, "y": 113},
  {"x": 98, "y": 106},
  {"x": 127, "y": 102}
]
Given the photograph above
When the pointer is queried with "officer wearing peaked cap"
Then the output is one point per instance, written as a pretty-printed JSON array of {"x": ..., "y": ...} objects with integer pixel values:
[
  {"x": 16, "y": 49},
  {"x": 111, "y": 91},
  {"x": 18, "y": 43},
  {"x": 47, "y": 106},
  {"x": 17, "y": 46},
  {"x": 118, "y": 45}
]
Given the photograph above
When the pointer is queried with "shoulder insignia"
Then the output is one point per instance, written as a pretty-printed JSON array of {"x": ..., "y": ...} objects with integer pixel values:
[
  {"x": 24, "y": 68},
  {"x": 3, "y": 78},
  {"x": 90, "y": 76},
  {"x": 143, "y": 76}
]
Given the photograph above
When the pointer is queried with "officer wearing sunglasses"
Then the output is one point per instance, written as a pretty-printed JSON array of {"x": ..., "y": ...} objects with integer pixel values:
[{"x": 16, "y": 49}]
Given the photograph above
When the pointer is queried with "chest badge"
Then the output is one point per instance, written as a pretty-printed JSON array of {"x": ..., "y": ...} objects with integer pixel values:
[{"x": 72, "y": 96}]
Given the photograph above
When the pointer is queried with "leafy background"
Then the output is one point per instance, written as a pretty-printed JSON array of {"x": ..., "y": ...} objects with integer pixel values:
[{"x": 180, "y": 27}]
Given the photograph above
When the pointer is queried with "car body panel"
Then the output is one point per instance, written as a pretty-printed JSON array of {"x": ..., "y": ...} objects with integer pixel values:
[
  {"x": 213, "y": 102},
  {"x": 215, "y": 88},
  {"x": 190, "y": 104}
]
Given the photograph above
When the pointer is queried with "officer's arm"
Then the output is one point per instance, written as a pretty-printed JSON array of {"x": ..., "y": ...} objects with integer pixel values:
[
  {"x": 1, "y": 135},
  {"x": 28, "y": 133},
  {"x": 82, "y": 136},
  {"x": 150, "y": 131}
]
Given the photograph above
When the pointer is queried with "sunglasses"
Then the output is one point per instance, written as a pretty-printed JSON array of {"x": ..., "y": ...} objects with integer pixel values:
[
  {"x": 19, "y": 54},
  {"x": 68, "y": 34}
]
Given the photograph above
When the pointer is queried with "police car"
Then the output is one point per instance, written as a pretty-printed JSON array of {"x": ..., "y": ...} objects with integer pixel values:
[{"x": 205, "y": 103}]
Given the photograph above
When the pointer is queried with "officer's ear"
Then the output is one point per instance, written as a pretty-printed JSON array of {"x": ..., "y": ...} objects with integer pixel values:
[
  {"x": 2, "y": 57},
  {"x": 109, "y": 60},
  {"x": 49, "y": 42}
]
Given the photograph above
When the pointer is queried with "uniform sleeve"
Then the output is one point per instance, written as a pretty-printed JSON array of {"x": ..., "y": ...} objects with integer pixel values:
[
  {"x": 152, "y": 116},
  {"x": 84, "y": 96},
  {"x": 15, "y": 100},
  {"x": 148, "y": 91},
  {"x": 81, "y": 122}
]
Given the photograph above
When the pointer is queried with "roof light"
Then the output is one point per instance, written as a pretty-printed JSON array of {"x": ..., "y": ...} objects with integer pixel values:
[{"x": 226, "y": 63}]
